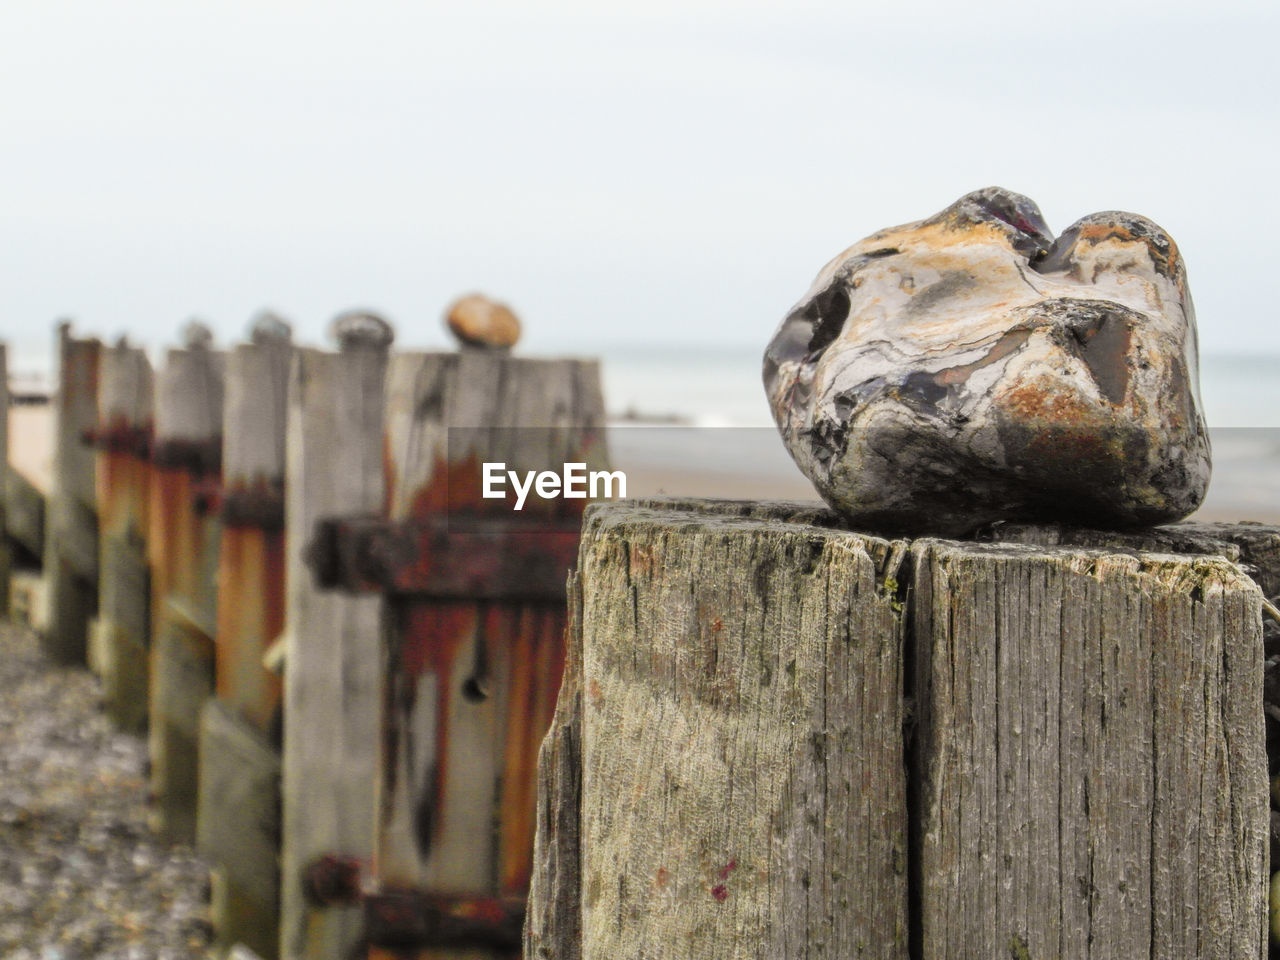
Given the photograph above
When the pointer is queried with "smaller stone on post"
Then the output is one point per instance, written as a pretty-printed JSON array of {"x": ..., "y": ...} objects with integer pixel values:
[{"x": 479, "y": 322}]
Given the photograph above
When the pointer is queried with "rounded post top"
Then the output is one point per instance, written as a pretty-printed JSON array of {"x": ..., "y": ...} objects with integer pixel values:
[
  {"x": 361, "y": 328},
  {"x": 269, "y": 327}
]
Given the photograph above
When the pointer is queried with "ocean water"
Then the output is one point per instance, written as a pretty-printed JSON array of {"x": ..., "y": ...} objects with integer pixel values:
[{"x": 717, "y": 395}]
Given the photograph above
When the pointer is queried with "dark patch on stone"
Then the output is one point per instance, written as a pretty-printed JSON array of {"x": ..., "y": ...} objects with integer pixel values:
[
  {"x": 830, "y": 310},
  {"x": 882, "y": 252},
  {"x": 951, "y": 283},
  {"x": 1104, "y": 347},
  {"x": 922, "y": 391}
]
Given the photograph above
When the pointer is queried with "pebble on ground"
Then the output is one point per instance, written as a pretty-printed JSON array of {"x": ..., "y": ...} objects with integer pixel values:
[{"x": 81, "y": 873}]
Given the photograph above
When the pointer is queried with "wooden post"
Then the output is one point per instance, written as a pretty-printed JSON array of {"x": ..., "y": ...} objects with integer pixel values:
[
  {"x": 1091, "y": 762},
  {"x": 470, "y": 683},
  {"x": 335, "y": 468},
  {"x": 71, "y": 530},
  {"x": 1085, "y": 771},
  {"x": 183, "y": 550},
  {"x": 251, "y": 592},
  {"x": 731, "y": 737},
  {"x": 122, "y": 632}
]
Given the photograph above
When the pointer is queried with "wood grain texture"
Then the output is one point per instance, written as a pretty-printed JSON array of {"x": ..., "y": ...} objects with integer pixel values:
[
  {"x": 125, "y": 402},
  {"x": 743, "y": 784},
  {"x": 24, "y": 513},
  {"x": 331, "y": 694},
  {"x": 1082, "y": 730},
  {"x": 1090, "y": 760},
  {"x": 257, "y": 382},
  {"x": 1254, "y": 546},
  {"x": 553, "y": 925},
  {"x": 182, "y": 552},
  {"x": 71, "y": 531},
  {"x": 250, "y": 617}
]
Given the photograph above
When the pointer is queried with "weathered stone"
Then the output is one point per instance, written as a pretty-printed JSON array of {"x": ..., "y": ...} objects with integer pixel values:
[
  {"x": 478, "y": 321},
  {"x": 970, "y": 368}
]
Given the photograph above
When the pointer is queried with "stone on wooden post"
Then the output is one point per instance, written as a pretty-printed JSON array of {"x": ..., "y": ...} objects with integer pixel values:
[
  {"x": 183, "y": 551},
  {"x": 331, "y": 681},
  {"x": 1083, "y": 759},
  {"x": 71, "y": 528},
  {"x": 241, "y": 729},
  {"x": 121, "y": 637}
]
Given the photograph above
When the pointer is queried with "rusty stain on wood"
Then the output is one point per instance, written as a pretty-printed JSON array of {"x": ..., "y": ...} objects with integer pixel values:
[{"x": 182, "y": 552}]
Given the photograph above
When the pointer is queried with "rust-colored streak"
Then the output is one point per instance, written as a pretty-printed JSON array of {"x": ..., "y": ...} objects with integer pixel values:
[{"x": 250, "y": 616}]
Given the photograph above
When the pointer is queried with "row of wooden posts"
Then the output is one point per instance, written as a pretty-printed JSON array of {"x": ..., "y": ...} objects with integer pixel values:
[
  {"x": 775, "y": 737},
  {"x": 278, "y": 561}
]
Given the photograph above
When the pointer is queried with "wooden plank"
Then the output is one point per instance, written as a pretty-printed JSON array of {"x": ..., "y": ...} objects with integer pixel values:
[
  {"x": 251, "y": 563},
  {"x": 1091, "y": 766},
  {"x": 71, "y": 545},
  {"x": 742, "y": 769},
  {"x": 24, "y": 514},
  {"x": 123, "y": 436},
  {"x": 1254, "y": 546},
  {"x": 239, "y": 826},
  {"x": 331, "y": 695},
  {"x": 250, "y": 614},
  {"x": 466, "y": 677},
  {"x": 181, "y": 681},
  {"x": 182, "y": 547}
]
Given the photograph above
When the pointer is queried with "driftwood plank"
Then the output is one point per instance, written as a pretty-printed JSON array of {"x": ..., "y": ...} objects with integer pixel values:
[
  {"x": 742, "y": 767},
  {"x": 123, "y": 435},
  {"x": 71, "y": 541},
  {"x": 182, "y": 547},
  {"x": 1090, "y": 760},
  {"x": 470, "y": 686},
  {"x": 24, "y": 514},
  {"x": 240, "y": 771},
  {"x": 331, "y": 694},
  {"x": 250, "y": 617}
]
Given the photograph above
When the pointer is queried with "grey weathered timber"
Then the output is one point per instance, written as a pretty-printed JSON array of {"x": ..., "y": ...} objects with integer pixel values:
[
  {"x": 331, "y": 681},
  {"x": 553, "y": 924},
  {"x": 240, "y": 771},
  {"x": 5, "y": 560},
  {"x": 24, "y": 513},
  {"x": 470, "y": 681},
  {"x": 1090, "y": 764},
  {"x": 1081, "y": 729},
  {"x": 250, "y": 617},
  {"x": 1254, "y": 546},
  {"x": 122, "y": 630},
  {"x": 71, "y": 529},
  {"x": 742, "y": 767},
  {"x": 182, "y": 548}
]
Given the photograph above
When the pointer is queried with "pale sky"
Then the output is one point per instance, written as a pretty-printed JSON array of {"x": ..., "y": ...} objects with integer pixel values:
[{"x": 623, "y": 172}]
